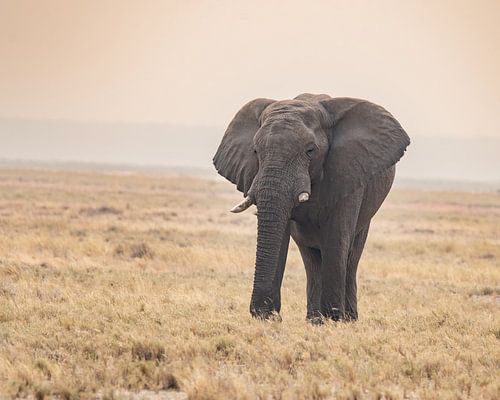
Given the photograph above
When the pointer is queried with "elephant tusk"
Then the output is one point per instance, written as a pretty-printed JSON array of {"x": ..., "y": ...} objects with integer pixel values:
[
  {"x": 247, "y": 202},
  {"x": 303, "y": 197}
]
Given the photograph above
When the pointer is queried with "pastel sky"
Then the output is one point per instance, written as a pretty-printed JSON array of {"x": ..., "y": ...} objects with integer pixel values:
[{"x": 434, "y": 64}]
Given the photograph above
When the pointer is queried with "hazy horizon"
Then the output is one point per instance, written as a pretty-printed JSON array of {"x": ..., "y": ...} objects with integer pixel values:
[{"x": 159, "y": 144}]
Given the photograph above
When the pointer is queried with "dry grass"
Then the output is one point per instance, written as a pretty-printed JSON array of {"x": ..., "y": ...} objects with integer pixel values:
[{"x": 137, "y": 282}]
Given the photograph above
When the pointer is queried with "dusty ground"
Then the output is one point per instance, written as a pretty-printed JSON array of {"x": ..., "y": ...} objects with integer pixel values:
[{"x": 133, "y": 282}]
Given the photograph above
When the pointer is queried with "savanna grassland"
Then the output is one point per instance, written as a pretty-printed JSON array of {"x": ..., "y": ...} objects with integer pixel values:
[{"x": 114, "y": 282}]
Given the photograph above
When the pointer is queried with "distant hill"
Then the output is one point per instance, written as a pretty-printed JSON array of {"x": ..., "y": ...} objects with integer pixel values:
[
  {"x": 435, "y": 158},
  {"x": 115, "y": 143},
  {"x": 452, "y": 158}
]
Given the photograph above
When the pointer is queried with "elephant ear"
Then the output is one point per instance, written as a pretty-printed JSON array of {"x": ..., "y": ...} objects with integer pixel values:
[
  {"x": 365, "y": 139},
  {"x": 235, "y": 158}
]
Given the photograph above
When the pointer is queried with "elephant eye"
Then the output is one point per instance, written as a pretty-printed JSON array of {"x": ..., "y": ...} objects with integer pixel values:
[{"x": 310, "y": 152}]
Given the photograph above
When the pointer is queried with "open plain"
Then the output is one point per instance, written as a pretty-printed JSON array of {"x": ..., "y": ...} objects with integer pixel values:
[{"x": 132, "y": 281}]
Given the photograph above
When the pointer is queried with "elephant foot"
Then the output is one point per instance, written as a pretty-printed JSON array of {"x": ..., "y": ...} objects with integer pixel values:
[
  {"x": 335, "y": 314},
  {"x": 316, "y": 321},
  {"x": 315, "y": 318},
  {"x": 351, "y": 316},
  {"x": 273, "y": 316},
  {"x": 265, "y": 312}
]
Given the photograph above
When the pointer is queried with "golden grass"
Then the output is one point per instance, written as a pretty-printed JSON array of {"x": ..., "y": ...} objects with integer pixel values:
[{"x": 113, "y": 281}]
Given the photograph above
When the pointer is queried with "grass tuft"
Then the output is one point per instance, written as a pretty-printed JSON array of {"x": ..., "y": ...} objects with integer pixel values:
[
  {"x": 148, "y": 351},
  {"x": 141, "y": 250}
]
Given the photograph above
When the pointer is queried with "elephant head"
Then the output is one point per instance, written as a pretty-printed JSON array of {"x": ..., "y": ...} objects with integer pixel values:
[{"x": 279, "y": 153}]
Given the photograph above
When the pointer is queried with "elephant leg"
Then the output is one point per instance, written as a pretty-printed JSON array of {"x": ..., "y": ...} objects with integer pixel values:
[
  {"x": 338, "y": 237},
  {"x": 280, "y": 270},
  {"x": 312, "y": 263},
  {"x": 351, "y": 302},
  {"x": 333, "y": 276}
]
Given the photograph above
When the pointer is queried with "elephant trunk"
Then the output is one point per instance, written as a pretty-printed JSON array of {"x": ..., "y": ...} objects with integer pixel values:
[{"x": 274, "y": 204}]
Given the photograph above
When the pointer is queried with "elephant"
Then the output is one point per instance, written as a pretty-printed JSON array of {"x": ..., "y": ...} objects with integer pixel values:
[{"x": 318, "y": 169}]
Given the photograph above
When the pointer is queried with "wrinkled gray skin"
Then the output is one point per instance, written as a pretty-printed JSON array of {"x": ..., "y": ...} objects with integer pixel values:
[{"x": 340, "y": 151}]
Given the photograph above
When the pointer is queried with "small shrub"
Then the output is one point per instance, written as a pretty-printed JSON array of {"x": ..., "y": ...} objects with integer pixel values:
[
  {"x": 93, "y": 211},
  {"x": 44, "y": 367},
  {"x": 170, "y": 382},
  {"x": 41, "y": 392},
  {"x": 485, "y": 291},
  {"x": 148, "y": 351},
  {"x": 119, "y": 250},
  {"x": 141, "y": 250},
  {"x": 224, "y": 346}
]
